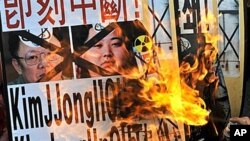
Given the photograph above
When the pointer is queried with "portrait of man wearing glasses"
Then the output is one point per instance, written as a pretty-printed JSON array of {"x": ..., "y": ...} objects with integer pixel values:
[{"x": 34, "y": 56}]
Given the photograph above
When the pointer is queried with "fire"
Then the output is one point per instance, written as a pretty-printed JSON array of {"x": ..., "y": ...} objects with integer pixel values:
[
  {"x": 163, "y": 96},
  {"x": 173, "y": 94}
]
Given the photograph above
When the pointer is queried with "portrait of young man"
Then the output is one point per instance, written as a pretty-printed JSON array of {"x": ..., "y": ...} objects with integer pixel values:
[{"x": 107, "y": 50}]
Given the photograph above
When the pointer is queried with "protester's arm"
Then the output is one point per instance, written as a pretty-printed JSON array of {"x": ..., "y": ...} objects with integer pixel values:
[
  {"x": 3, "y": 122},
  {"x": 240, "y": 120},
  {"x": 4, "y": 136}
]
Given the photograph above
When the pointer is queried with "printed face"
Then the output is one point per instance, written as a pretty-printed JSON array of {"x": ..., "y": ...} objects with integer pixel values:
[
  {"x": 110, "y": 53},
  {"x": 35, "y": 62}
]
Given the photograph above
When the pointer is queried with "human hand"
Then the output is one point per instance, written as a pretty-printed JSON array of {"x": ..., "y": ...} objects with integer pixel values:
[
  {"x": 240, "y": 120},
  {"x": 4, "y": 136},
  {"x": 3, "y": 122}
]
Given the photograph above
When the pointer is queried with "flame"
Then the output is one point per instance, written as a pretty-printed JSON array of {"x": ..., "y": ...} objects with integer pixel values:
[
  {"x": 174, "y": 94},
  {"x": 163, "y": 96}
]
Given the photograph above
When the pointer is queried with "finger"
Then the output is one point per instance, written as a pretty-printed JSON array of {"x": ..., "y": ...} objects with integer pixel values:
[{"x": 240, "y": 120}]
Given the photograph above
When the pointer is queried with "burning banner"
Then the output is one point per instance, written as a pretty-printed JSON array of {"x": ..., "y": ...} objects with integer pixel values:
[
  {"x": 197, "y": 33},
  {"x": 99, "y": 80},
  {"x": 109, "y": 94}
]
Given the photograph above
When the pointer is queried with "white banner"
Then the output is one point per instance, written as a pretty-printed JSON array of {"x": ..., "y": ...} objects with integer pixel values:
[
  {"x": 77, "y": 111},
  {"x": 18, "y": 14}
]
